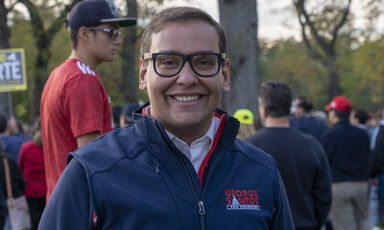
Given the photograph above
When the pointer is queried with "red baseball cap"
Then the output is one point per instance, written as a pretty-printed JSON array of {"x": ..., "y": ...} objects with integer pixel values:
[{"x": 340, "y": 103}]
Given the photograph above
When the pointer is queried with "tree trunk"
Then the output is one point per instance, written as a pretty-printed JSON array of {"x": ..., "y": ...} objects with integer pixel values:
[
  {"x": 4, "y": 44},
  {"x": 334, "y": 82},
  {"x": 243, "y": 53},
  {"x": 129, "y": 82}
]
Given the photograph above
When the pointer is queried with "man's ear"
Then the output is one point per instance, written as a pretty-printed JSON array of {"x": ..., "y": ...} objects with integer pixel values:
[
  {"x": 263, "y": 112},
  {"x": 142, "y": 75},
  {"x": 83, "y": 34},
  {"x": 226, "y": 75}
]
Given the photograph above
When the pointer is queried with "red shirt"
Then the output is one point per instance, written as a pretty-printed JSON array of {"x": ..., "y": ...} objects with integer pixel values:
[
  {"x": 31, "y": 162},
  {"x": 74, "y": 102}
]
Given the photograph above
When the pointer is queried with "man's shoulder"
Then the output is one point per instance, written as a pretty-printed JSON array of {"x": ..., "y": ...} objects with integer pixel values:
[
  {"x": 108, "y": 149},
  {"x": 289, "y": 137},
  {"x": 255, "y": 155},
  {"x": 14, "y": 139},
  {"x": 270, "y": 134},
  {"x": 257, "y": 136},
  {"x": 344, "y": 128},
  {"x": 72, "y": 68},
  {"x": 302, "y": 136}
]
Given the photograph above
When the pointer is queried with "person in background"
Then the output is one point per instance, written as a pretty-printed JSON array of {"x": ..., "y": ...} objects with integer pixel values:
[
  {"x": 3, "y": 209},
  {"x": 377, "y": 171},
  {"x": 17, "y": 181},
  {"x": 75, "y": 107},
  {"x": 31, "y": 163},
  {"x": 347, "y": 148},
  {"x": 300, "y": 158},
  {"x": 359, "y": 118},
  {"x": 304, "y": 121},
  {"x": 180, "y": 165},
  {"x": 11, "y": 136},
  {"x": 247, "y": 127},
  {"x": 126, "y": 114},
  {"x": 116, "y": 111}
]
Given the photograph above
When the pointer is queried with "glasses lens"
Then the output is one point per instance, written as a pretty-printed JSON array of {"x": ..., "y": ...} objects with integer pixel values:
[
  {"x": 168, "y": 64},
  {"x": 115, "y": 33},
  {"x": 205, "y": 64}
]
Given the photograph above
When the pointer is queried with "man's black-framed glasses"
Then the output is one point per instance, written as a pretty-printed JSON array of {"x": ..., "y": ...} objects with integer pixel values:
[
  {"x": 113, "y": 33},
  {"x": 203, "y": 64}
]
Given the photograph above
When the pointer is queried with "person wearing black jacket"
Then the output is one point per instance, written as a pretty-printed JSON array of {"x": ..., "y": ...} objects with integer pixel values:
[
  {"x": 348, "y": 152},
  {"x": 378, "y": 163},
  {"x": 299, "y": 157}
]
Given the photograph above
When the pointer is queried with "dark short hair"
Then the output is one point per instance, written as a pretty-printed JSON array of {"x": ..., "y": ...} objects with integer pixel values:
[
  {"x": 276, "y": 98},
  {"x": 342, "y": 115},
  {"x": 305, "y": 103},
  {"x": 361, "y": 115},
  {"x": 74, "y": 32},
  {"x": 3, "y": 124},
  {"x": 179, "y": 15}
]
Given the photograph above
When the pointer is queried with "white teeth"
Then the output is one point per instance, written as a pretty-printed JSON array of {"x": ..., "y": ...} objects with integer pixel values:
[{"x": 186, "y": 98}]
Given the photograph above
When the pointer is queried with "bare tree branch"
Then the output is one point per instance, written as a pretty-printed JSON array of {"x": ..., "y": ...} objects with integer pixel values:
[
  {"x": 310, "y": 49},
  {"x": 340, "y": 24},
  {"x": 320, "y": 40}
]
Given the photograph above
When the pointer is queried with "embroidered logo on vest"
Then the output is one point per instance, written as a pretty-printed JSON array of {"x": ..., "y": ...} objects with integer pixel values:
[{"x": 242, "y": 199}]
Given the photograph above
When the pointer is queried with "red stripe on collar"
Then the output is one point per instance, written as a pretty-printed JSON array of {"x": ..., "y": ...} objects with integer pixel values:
[{"x": 204, "y": 164}]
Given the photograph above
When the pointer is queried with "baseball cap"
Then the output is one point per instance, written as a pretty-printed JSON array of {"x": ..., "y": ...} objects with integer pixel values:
[
  {"x": 89, "y": 12},
  {"x": 245, "y": 116},
  {"x": 340, "y": 103}
]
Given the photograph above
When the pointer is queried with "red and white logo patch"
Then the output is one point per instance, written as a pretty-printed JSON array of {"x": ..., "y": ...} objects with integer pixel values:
[{"x": 242, "y": 199}]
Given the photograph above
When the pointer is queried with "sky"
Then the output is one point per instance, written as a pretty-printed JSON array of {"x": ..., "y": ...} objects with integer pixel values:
[
  {"x": 270, "y": 26},
  {"x": 276, "y": 22}
]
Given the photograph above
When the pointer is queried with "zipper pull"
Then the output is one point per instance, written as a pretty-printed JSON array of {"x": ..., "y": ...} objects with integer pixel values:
[{"x": 201, "y": 207}]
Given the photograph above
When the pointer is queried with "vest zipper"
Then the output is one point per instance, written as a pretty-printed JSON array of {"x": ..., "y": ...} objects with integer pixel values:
[
  {"x": 202, "y": 213},
  {"x": 200, "y": 203},
  {"x": 201, "y": 207}
]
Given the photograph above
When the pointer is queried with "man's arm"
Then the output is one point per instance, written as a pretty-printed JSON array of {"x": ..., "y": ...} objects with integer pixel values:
[
  {"x": 282, "y": 217},
  {"x": 86, "y": 138},
  {"x": 69, "y": 205},
  {"x": 322, "y": 191}
]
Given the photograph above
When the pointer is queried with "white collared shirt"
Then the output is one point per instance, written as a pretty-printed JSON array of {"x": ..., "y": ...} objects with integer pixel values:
[{"x": 199, "y": 148}]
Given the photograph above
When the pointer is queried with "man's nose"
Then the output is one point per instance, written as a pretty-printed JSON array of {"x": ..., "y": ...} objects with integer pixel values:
[{"x": 187, "y": 76}]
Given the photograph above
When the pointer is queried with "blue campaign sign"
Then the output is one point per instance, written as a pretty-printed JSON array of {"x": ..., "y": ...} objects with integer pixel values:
[{"x": 13, "y": 74}]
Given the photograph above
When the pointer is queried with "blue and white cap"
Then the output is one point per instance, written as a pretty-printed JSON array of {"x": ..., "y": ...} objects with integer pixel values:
[{"x": 90, "y": 12}]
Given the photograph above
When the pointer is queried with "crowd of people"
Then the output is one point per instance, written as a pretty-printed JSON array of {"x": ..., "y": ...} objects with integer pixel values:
[
  {"x": 348, "y": 165},
  {"x": 178, "y": 161}
]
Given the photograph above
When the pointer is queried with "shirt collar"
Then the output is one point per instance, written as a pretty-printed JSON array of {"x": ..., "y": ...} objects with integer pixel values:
[{"x": 210, "y": 134}]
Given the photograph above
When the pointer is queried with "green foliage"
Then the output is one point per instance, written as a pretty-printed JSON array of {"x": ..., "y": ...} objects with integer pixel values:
[
  {"x": 368, "y": 66},
  {"x": 287, "y": 60},
  {"x": 360, "y": 65},
  {"x": 22, "y": 37},
  {"x": 361, "y": 70}
]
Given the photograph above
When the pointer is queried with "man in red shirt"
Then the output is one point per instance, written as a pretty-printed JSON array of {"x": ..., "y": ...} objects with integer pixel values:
[{"x": 75, "y": 107}]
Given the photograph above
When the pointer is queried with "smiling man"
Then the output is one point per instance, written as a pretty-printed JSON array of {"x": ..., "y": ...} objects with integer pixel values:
[
  {"x": 179, "y": 165},
  {"x": 75, "y": 107}
]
